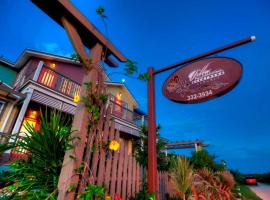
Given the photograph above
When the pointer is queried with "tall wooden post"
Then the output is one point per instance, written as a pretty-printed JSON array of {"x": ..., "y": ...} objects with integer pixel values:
[
  {"x": 152, "y": 149},
  {"x": 68, "y": 174}
]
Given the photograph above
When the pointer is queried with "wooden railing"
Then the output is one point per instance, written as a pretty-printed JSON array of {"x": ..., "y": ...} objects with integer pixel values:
[{"x": 58, "y": 82}]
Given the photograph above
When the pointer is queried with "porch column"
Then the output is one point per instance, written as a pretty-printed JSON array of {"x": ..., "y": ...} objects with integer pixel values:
[
  {"x": 7, "y": 117},
  {"x": 20, "y": 117}
]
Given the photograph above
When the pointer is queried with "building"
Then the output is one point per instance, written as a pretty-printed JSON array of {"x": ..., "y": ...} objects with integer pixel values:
[
  {"x": 9, "y": 99},
  {"x": 51, "y": 81}
]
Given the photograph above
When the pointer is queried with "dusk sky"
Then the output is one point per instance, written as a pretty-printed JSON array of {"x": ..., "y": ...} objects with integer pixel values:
[{"x": 158, "y": 33}]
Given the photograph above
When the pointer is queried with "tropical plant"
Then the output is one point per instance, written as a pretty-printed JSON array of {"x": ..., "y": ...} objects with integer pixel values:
[
  {"x": 212, "y": 185},
  {"x": 227, "y": 179},
  {"x": 182, "y": 177},
  {"x": 37, "y": 176},
  {"x": 164, "y": 161}
]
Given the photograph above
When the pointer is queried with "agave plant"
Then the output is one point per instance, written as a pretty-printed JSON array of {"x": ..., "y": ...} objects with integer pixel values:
[
  {"x": 37, "y": 176},
  {"x": 182, "y": 177}
]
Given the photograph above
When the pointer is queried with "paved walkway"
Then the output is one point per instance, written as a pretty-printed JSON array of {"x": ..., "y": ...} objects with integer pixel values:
[{"x": 262, "y": 191}]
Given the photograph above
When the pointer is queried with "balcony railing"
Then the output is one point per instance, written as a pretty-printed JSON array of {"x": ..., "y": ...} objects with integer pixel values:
[
  {"x": 125, "y": 114},
  {"x": 58, "y": 82}
]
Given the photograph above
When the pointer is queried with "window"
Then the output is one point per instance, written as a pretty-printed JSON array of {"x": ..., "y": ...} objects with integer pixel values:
[
  {"x": 67, "y": 86},
  {"x": 47, "y": 78}
]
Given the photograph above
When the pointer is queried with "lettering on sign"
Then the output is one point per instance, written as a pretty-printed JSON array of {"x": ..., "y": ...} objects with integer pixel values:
[{"x": 203, "y": 80}]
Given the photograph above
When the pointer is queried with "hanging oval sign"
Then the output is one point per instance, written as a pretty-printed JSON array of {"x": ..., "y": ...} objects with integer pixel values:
[{"x": 203, "y": 80}]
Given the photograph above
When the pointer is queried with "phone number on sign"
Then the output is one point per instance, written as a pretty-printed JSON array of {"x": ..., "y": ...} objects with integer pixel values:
[{"x": 199, "y": 95}]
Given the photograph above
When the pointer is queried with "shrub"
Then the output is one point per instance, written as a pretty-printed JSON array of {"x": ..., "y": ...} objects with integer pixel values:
[
  {"x": 164, "y": 162},
  {"x": 227, "y": 179},
  {"x": 37, "y": 176},
  {"x": 202, "y": 159},
  {"x": 212, "y": 185}
]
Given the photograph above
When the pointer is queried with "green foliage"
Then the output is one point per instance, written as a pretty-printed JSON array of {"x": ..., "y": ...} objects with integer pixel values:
[
  {"x": 143, "y": 194},
  {"x": 130, "y": 67},
  {"x": 71, "y": 188},
  {"x": 238, "y": 177},
  {"x": 93, "y": 192},
  {"x": 37, "y": 177},
  {"x": 79, "y": 169},
  {"x": 164, "y": 162},
  {"x": 93, "y": 101},
  {"x": 247, "y": 193},
  {"x": 202, "y": 159},
  {"x": 75, "y": 57},
  {"x": 101, "y": 12},
  {"x": 144, "y": 77}
]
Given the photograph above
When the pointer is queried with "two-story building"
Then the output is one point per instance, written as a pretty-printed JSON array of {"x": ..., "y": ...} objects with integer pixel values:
[{"x": 51, "y": 81}]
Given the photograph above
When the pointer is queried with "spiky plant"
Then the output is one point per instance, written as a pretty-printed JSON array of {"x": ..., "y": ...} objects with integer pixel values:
[
  {"x": 37, "y": 176},
  {"x": 227, "y": 179},
  {"x": 212, "y": 185},
  {"x": 182, "y": 177}
]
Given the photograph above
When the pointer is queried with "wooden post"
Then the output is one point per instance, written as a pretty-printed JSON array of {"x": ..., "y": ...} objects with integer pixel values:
[
  {"x": 152, "y": 149},
  {"x": 68, "y": 175}
]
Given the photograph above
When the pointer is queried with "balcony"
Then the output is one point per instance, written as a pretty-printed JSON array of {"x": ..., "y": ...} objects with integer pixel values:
[
  {"x": 121, "y": 112},
  {"x": 58, "y": 82},
  {"x": 49, "y": 78},
  {"x": 46, "y": 76}
]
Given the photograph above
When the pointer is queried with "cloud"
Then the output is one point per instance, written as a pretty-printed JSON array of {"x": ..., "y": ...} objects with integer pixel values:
[{"x": 52, "y": 47}]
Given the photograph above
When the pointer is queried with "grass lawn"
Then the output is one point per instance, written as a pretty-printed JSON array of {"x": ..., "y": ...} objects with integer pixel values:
[{"x": 246, "y": 192}]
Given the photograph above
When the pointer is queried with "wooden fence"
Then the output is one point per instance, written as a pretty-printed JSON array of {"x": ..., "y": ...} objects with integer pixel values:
[{"x": 118, "y": 170}]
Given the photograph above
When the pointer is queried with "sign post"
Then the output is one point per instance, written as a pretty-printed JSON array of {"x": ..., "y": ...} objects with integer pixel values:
[{"x": 206, "y": 70}]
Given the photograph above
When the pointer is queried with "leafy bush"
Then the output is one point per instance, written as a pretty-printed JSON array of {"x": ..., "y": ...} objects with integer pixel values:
[
  {"x": 37, "y": 176},
  {"x": 93, "y": 192},
  {"x": 143, "y": 194},
  {"x": 202, "y": 159},
  {"x": 164, "y": 161}
]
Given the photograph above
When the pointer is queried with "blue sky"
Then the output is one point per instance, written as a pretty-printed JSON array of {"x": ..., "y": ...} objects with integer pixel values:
[{"x": 159, "y": 33}]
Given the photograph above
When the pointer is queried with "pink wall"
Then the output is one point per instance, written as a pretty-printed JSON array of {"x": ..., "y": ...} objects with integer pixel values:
[{"x": 74, "y": 72}]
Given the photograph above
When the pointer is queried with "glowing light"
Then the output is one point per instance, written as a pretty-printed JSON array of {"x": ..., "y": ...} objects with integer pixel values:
[
  {"x": 123, "y": 80},
  {"x": 76, "y": 98},
  {"x": 33, "y": 114},
  {"x": 119, "y": 96},
  {"x": 114, "y": 145},
  {"x": 53, "y": 65}
]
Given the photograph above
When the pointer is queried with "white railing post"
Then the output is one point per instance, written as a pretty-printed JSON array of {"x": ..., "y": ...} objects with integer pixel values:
[
  {"x": 38, "y": 70},
  {"x": 142, "y": 120}
]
